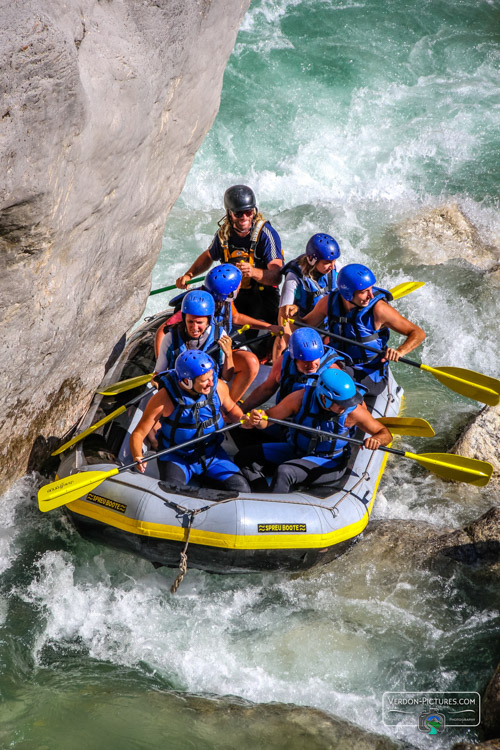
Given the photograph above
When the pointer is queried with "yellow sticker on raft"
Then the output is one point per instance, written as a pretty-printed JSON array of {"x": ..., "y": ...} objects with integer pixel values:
[
  {"x": 120, "y": 507},
  {"x": 264, "y": 528}
]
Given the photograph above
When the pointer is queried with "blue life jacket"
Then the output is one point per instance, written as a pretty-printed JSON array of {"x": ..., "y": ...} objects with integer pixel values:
[
  {"x": 309, "y": 291},
  {"x": 192, "y": 417},
  {"x": 293, "y": 380},
  {"x": 312, "y": 414},
  {"x": 223, "y": 316},
  {"x": 178, "y": 344},
  {"x": 358, "y": 324}
]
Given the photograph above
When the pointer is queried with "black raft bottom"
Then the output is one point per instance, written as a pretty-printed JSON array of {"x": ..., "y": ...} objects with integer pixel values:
[{"x": 163, "y": 552}]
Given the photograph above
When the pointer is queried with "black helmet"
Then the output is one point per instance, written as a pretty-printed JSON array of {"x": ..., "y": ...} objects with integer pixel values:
[{"x": 239, "y": 198}]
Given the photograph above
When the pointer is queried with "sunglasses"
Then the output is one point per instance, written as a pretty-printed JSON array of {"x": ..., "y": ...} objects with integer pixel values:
[{"x": 240, "y": 214}]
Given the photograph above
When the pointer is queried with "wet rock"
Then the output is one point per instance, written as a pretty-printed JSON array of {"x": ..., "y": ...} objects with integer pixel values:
[
  {"x": 480, "y": 439},
  {"x": 443, "y": 234},
  {"x": 490, "y": 745},
  {"x": 477, "y": 542},
  {"x": 104, "y": 105},
  {"x": 490, "y": 708}
]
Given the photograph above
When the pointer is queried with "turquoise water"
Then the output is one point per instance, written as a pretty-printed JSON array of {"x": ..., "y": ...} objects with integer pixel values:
[{"x": 345, "y": 117}]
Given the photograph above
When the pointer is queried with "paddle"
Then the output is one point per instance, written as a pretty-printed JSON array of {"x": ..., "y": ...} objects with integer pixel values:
[
  {"x": 407, "y": 287},
  {"x": 127, "y": 385},
  {"x": 468, "y": 383},
  {"x": 66, "y": 490},
  {"x": 445, "y": 465},
  {"x": 407, "y": 426},
  {"x": 105, "y": 420},
  {"x": 173, "y": 286}
]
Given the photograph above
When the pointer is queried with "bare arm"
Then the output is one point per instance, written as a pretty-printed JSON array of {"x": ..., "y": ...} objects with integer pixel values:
[
  {"x": 201, "y": 264},
  {"x": 159, "y": 405},
  {"x": 318, "y": 313},
  {"x": 286, "y": 408},
  {"x": 380, "y": 435},
  {"x": 265, "y": 390},
  {"x": 269, "y": 276},
  {"x": 385, "y": 315}
]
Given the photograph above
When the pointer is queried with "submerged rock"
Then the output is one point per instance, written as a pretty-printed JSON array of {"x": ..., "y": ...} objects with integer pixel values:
[
  {"x": 104, "y": 106},
  {"x": 480, "y": 439},
  {"x": 443, "y": 234}
]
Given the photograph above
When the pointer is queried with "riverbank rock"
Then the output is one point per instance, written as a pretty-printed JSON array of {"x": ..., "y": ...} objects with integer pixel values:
[
  {"x": 490, "y": 745},
  {"x": 480, "y": 439},
  {"x": 443, "y": 234},
  {"x": 490, "y": 709},
  {"x": 477, "y": 542},
  {"x": 104, "y": 106}
]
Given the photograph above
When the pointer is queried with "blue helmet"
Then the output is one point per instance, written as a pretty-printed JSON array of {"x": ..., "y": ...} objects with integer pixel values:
[
  {"x": 337, "y": 387},
  {"x": 354, "y": 278},
  {"x": 222, "y": 281},
  {"x": 198, "y": 303},
  {"x": 322, "y": 247},
  {"x": 191, "y": 363},
  {"x": 306, "y": 344}
]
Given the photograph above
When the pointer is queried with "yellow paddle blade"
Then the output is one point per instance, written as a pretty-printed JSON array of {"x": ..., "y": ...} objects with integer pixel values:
[
  {"x": 90, "y": 430},
  {"x": 468, "y": 383},
  {"x": 455, "y": 468},
  {"x": 407, "y": 287},
  {"x": 126, "y": 385},
  {"x": 407, "y": 426},
  {"x": 66, "y": 490}
]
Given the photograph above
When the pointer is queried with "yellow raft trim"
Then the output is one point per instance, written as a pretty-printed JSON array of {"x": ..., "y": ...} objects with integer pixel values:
[{"x": 228, "y": 541}]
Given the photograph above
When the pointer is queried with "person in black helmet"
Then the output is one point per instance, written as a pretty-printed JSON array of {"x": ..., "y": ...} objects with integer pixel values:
[{"x": 246, "y": 239}]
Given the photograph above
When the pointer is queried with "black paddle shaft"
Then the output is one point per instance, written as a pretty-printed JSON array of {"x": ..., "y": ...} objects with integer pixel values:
[
  {"x": 330, "y": 435},
  {"x": 182, "y": 445},
  {"x": 336, "y": 336}
]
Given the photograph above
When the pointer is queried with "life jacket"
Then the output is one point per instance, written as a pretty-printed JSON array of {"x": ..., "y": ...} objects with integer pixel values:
[
  {"x": 311, "y": 414},
  {"x": 223, "y": 316},
  {"x": 209, "y": 336},
  {"x": 293, "y": 380},
  {"x": 235, "y": 255},
  {"x": 358, "y": 325},
  {"x": 192, "y": 417},
  {"x": 310, "y": 290}
]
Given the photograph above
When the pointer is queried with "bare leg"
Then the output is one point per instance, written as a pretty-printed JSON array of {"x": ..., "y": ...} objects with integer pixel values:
[{"x": 246, "y": 367}]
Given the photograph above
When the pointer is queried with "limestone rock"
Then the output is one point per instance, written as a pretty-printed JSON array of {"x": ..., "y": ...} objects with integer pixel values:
[
  {"x": 104, "y": 105},
  {"x": 480, "y": 439},
  {"x": 490, "y": 711},
  {"x": 419, "y": 543},
  {"x": 443, "y": 234}
]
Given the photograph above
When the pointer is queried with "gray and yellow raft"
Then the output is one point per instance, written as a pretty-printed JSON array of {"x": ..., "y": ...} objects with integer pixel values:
[{"x": 227, "y": 532}]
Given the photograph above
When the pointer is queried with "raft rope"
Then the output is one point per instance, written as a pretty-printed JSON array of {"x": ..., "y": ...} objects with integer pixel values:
[{"x": 183, "y": 562}]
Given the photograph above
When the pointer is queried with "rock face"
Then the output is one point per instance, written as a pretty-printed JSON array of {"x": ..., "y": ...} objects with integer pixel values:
[
  {"x": 443, "y": 234},
  {"x": 105, "y": 103},
  {"x": 480, "y": 439},
  {"x": 490, "y": 722}
]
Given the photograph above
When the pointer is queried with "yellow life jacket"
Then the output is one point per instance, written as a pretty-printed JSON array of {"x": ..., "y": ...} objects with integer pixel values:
[{"x": 238, "y": 255}]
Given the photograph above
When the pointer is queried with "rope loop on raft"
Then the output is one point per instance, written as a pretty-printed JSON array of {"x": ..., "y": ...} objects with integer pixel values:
[{"x": 183, "y": 559}]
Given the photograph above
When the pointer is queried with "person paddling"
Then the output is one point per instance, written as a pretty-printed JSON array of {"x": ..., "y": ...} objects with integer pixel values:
[
  {"x": 298, "y": 366},
  {"x": 191, "y": 401},
  {"x": 249, "y": 241},
  {"x": 360, "y": 311},
  {"x": 332, "y": 405}
]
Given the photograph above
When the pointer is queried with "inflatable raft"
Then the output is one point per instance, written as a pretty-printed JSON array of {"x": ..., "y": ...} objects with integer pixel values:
[{"x": 226, "y": 532}]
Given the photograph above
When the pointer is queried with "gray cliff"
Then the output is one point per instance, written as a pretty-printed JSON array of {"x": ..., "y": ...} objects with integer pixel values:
[{"x": 104, "y": 105}]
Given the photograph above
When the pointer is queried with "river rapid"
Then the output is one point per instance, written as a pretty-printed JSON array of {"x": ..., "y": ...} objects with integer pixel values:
[{"x": 346, "y": 117}]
